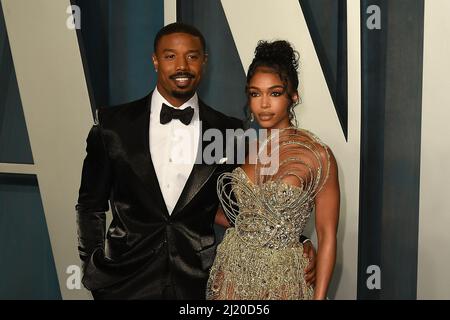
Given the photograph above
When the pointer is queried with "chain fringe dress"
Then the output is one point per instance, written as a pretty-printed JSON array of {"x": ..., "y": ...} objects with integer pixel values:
[{"x": 261, "y": 257}]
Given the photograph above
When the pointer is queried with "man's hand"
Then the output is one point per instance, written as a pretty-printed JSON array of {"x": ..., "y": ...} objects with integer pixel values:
[{"x": 310, "y": 271}]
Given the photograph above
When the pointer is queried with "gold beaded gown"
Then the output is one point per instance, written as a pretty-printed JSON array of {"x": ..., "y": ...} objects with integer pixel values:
[{"x": 261, "y": 257}]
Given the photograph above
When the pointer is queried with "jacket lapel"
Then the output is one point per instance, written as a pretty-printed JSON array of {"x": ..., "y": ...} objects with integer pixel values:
[
  {"x": 140, "y": 158},
  {"x": 201, "y": 172}
]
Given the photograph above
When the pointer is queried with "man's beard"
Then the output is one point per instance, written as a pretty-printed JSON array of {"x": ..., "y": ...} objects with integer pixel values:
[{"x": 182, "y": 94}]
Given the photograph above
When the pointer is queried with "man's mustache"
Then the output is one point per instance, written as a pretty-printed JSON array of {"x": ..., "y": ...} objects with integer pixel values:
[{"x": 182, "y": 75}]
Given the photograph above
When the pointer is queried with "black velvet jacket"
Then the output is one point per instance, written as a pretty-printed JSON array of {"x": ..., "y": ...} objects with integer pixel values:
[{"x": 146, "y": 249}]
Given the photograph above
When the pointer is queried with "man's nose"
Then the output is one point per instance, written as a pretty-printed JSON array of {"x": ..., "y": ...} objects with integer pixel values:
[{"x": 181, "y": 63}]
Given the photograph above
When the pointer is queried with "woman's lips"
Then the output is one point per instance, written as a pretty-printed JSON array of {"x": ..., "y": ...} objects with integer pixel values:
[{"x": 265, "y": 116}]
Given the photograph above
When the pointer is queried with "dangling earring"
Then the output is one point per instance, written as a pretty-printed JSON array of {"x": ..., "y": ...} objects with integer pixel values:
[{"x": 249, "y": 120}]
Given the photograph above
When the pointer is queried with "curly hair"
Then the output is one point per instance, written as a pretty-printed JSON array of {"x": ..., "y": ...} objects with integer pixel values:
[{"x": 279, "y": 56}]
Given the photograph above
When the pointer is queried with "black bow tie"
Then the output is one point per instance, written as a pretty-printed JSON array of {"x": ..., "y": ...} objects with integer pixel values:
[{"x": 169, "y": 113}]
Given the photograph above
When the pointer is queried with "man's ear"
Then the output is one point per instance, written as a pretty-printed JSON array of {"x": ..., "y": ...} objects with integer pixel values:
[{"x": 155, "y": 62}]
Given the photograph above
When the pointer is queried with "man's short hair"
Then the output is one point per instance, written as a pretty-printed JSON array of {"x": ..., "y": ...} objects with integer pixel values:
[{"x": 179, "y": 27}]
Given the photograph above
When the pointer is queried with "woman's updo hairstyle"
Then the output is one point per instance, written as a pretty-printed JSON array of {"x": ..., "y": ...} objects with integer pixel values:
[{"x": 278, "y": 56}]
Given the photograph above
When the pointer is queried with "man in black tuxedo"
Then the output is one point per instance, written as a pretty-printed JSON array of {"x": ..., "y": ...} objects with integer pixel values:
[{"x": 141, "y": 158}]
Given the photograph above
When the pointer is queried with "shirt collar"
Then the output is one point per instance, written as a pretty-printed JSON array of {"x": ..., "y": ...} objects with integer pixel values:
[
  {"x": 156, "y": 105},
  {"x": 192, "y": 102}
]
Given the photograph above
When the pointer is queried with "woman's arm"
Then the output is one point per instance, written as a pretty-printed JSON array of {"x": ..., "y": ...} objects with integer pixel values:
[
  {"x": 327, "y": 204},
  {"x": 221, "y": 218}
]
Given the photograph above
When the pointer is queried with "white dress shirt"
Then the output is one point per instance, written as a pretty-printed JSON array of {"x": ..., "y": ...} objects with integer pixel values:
[{"x": 173, "y": 148}]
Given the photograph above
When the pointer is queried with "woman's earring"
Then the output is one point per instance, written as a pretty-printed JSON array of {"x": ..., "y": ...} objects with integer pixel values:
[{"x": 252, "y": 118}]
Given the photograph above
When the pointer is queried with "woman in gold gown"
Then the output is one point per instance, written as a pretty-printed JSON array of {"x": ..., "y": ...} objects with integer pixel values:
[{"x": 266, "y": 210}]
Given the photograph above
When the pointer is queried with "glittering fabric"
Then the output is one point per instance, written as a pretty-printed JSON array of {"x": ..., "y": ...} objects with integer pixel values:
[{"x": 261, "y": 256}]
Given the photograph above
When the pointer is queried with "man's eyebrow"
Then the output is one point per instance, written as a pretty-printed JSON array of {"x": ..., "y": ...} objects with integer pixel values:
[{"x": 189, "y": 51}]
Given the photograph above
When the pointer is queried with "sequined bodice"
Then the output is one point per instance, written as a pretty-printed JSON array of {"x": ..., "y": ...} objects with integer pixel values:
[
  {"x": 261, "y": 257},
  {"x": 272, "y": 215},
  {"x": 271, "y": 212}
]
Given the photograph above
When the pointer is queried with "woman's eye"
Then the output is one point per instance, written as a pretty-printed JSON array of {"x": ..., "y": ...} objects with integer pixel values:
[
  {"x": 253, "y": 94},
  {"x": 276, "y": 93}
]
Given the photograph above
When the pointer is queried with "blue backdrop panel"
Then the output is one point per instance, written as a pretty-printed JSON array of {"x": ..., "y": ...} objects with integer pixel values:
[
  {"x": 27, "y": 268},
  {"x": 117, "y": 46},
  {"x": 327, "y": 24},
  {"x": 223, "y": 85},
  {"x": 14, "y": 143}
]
